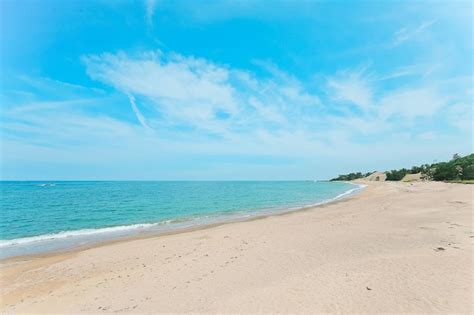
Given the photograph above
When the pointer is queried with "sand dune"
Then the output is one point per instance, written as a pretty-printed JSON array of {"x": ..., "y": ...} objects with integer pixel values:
[{"x": 396, "y": 247}]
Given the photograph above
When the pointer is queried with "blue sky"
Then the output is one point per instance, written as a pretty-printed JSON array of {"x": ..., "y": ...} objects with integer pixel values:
[{"x": 232, "y": 89}]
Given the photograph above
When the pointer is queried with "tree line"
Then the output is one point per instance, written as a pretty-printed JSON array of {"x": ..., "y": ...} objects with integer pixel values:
[{"x": 458, "y": 168}]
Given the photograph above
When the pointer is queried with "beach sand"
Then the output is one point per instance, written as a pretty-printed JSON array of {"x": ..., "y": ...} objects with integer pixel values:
[{"x": 396, "y": 247}]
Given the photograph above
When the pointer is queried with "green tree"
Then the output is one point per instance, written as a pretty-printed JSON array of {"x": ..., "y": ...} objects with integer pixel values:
[{"x": 445, "y": 171}]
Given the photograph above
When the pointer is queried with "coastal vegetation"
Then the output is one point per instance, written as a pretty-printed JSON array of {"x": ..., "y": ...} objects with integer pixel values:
[
  {"x": 351, "y": 176},
  {"x": 458, "y": 169}
]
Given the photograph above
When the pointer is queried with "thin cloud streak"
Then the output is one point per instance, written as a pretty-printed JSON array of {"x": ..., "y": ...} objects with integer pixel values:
[
  {"x": 405, "y": 34},
  {"x": 150, "y": 6},
  {"x": 137, "y": 112}
]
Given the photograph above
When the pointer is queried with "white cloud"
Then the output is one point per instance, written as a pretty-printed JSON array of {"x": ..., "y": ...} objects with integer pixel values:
[
  {"x": 351, "y": 87},
  {"x": 150, "y": 6},
  {"x": 417, "y": 70},
  {"x": 201, "y": 94},
  {"x": 137, "y": 112},
  {"x": 51, "y": 105},
  {"x": 460, "y": 115},
  {"x": 427, "y": 136},
  {"x": 413, "y": 108},
  {"x": 411, "y": 103},
  {"x": 405, "y": 34}
]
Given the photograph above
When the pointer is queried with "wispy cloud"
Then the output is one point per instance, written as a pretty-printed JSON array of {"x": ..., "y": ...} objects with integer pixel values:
[
  {"x": 137, "y": 112},
  {"x": 407, "y": 33},
  {"x": 410, "y": 103},
  {"x": 202, "y": 94},
  {"x": 420, "y": 70},
  {"x": 51, "y": 105},
  {"x": 416, "y": 107},
  {"x": 150, "y": 6},
  {"x": 352, "y": 87}
]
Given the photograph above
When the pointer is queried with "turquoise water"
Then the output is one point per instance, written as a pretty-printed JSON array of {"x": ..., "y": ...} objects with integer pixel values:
[{"x": 40, "y": 216}]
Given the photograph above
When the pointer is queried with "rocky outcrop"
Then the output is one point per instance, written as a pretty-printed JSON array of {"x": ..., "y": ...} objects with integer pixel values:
[
  {"x": 412, "y": 177},
  {"x": 376, "y": 177}
]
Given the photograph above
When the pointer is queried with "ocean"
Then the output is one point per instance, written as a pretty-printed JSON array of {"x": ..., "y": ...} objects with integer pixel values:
[{"x": 37, "y": 217}]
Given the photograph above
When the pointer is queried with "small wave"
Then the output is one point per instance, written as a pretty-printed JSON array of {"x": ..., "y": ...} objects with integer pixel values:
[
  {"x": 76, "y": 233},
  {"x": 46, "y": 185},
  {"x": 340, "y": 196},
  {"x": 350, "y": 191}
]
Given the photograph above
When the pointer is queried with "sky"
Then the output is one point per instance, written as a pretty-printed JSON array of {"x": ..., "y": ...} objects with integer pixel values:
[{"x": 231, "y": 90}]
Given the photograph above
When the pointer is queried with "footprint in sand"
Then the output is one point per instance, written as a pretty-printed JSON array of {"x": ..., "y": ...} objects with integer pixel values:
[{"x": 457, "y": 202}]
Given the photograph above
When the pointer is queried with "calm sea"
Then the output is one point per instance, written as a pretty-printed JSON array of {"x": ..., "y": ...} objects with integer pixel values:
[{"x": 43, "y": 216}]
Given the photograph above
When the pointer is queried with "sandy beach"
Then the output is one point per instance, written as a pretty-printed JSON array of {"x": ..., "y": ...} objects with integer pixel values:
[{"x": 395, "y": 247}]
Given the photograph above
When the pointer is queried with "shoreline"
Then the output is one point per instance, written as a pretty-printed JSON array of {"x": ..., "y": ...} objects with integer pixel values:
[
  {"x": 150, "y": 233},
  {"x": 394, "y": 247}
]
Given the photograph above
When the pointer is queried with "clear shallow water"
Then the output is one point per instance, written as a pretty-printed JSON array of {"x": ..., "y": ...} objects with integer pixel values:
[{"x": 42, "y": 216}]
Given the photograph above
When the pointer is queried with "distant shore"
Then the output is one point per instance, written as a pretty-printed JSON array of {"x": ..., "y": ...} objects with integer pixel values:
[{"x": 395, "y": 247}]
